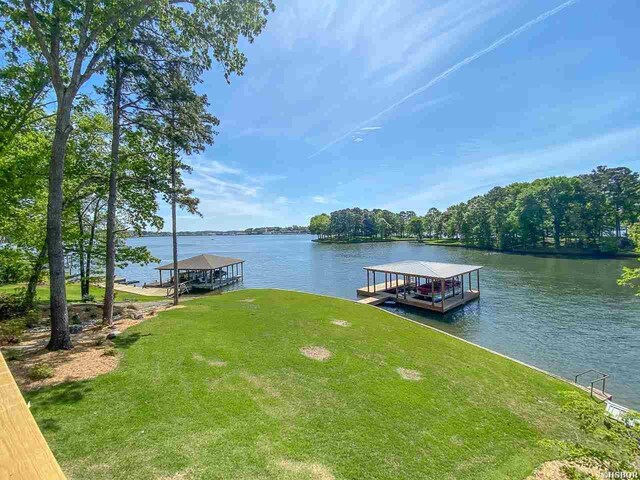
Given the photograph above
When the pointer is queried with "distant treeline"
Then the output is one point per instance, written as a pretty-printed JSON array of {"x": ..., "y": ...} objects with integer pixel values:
[
  {"x": 292, "y": 230},
  {"x": 591, "y": 211}
]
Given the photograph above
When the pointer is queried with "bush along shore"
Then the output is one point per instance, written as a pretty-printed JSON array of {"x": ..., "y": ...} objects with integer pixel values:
[{"x": 543, "y": 251}]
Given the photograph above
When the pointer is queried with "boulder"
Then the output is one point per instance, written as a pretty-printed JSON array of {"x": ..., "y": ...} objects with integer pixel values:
[
  {"x": 113, "y": 334},
  {"x": 73, "y": 329}
]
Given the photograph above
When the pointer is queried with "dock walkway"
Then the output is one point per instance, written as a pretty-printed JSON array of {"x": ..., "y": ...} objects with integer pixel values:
[{"x": 145, "y": 292}]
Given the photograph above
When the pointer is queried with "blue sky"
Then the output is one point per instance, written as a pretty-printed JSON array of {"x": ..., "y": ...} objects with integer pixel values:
[{"x": 344, "y": 103}]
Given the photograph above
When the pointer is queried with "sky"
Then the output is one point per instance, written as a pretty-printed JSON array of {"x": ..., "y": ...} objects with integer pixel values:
[{"x": 409, "y": 105}]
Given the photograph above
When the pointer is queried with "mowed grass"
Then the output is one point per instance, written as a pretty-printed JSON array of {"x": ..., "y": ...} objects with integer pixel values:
[
  {"x": 73, "y": 293},
  {"x": 219, "y": 389}
]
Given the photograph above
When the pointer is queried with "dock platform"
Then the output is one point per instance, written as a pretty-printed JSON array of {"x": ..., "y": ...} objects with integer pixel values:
[
  {"x": 439, "y": 287},
  {"x": 381, "y": 295}
]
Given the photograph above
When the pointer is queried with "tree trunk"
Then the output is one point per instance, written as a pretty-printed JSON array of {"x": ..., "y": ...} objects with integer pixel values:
[
  {"x": 107, "y": 309},
  {"x": 60, "y": 338},
  {"x": 92, "y": 236},
  {"x": 83, "y": 293},
  {"x": 30, "y": 295},
  {"x": 174, "y": 234},
  {"x": 556, "y": 234}
]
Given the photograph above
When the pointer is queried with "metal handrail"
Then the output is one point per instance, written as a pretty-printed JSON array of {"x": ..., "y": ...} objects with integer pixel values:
[
  {"x": 603, "y": 377},
  {"x": 182, "y": 288}
]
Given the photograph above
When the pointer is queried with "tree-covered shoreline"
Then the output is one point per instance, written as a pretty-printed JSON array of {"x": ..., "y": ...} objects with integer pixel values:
[{"x": 587, "y": 214}]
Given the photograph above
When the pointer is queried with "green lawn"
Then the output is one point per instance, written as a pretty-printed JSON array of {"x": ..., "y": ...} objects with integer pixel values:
[
  {"x": 171, "y": 408},
  {"x": 73, "y": 293}
]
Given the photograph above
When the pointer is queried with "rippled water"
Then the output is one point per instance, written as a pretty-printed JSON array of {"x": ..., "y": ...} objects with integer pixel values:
[{"x": 562, "y": 315}]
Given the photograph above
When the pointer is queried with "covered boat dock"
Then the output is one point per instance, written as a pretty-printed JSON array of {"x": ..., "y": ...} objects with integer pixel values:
[
  {"x": 439, "y": 287},
  {"x": 202, "y": 272}
]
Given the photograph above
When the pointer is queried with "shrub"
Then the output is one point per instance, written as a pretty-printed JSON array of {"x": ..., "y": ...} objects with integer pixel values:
[
  {"x": 13, "y": 355},
  {"x": 110, "y": 352},
  {"x": 88, "y": 298},
  {"x": 15, "y": 265},
  {"x": 32, "y": 318},
  {"x": 625, "y": 243},
  {"x": 40, "y": 371},
  {"x": 621, "y": 437},
  {"x": 11, "y": 330},
  {"x": 75, "y": 319},
  {"x": 12, "y": 304},
  {"x": 609, "y": 245},
  {"x": 572, "y": 473}
]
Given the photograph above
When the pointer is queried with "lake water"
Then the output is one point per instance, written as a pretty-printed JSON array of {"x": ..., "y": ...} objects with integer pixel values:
[{"x": 564, "y": 315}]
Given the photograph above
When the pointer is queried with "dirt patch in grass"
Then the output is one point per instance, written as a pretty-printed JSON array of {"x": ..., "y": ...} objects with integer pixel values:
[
  {"x": 92, "y": 355},
  {"x": 313, "y": 471},
  {"x": 183, "y": 475},
  {"x": 263, "y": 384},
  {"x": 247, "y": 300},
  {"x": 320, "y": 354},
  {"x": 341, "y": 323},
  {"x": 412, "y": 375},
  {"x": 212, "y": 363},
  {"x": 557, "y": 470}
]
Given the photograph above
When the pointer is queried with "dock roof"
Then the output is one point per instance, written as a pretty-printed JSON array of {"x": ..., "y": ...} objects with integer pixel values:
[
  {"x": 202, "y": 262},
  {"x": 425, "y": 269}
]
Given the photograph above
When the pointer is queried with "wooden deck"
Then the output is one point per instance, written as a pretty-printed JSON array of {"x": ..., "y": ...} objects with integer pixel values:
[
  {"x": 24, "y": 452},
  {"x": 388, "y": 292}
]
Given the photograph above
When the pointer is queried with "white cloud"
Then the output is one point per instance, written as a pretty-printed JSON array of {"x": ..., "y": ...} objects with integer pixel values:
[
  {"x": 493, "y": 170},
  {"x": 213, "y": 167},
  {"x": 281, "y": 200},
  {"x": 358, "y": 139},
  {"x": 430, "y": 103},
  {"x": 370, "y": 129},
  {"x": 320, "y": 199},
  {"x": 208, "y": 185},
  {"x": 438, "y": 78},
  {"x": 267, "y": 178}
]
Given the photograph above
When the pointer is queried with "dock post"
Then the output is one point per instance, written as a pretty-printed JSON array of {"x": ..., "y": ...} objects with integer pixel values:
[
  {"x": 462, "y": 280},
  {"x": 433, "y": 296},
  {"x": 396, "y": 285},
  {"x": 443, "y": 293},
  {"x": 374, "y": 281},
  {"x": 368, "y": 289}
]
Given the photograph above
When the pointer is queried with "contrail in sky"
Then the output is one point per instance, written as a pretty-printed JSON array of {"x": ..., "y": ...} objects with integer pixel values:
[{"x": 453, "y": 69}]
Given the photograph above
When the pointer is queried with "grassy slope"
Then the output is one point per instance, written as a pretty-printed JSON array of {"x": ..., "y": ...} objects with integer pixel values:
[
  {"x": 73, "y": 293},
  {"x": 273, "y": 413}
]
